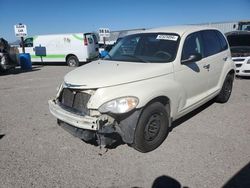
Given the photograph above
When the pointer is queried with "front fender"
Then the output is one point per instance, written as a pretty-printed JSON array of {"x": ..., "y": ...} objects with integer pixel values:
[{"x": 145, "y": 91}]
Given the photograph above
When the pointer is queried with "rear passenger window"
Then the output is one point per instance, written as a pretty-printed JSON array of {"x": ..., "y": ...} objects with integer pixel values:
[
  {"x": 211, "y": 43},
  {"x": 223, "y": 42},
  {"x": 95, "y": 39},
  {"x": 192, "y": 46},
  {"x": 90, "y": 40}
]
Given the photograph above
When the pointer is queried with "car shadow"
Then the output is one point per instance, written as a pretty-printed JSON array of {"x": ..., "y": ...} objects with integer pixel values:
[
  {"x": 188, "y": 116},
  {"x": 116, "y": 141},
  {"x": 49, "y": 63},
  {"x": 1, "y": 136},
  {"x": 56, "y": 63},
  {"x": 240, "y": 179},
  {"x": 166, "y": 181},
  {"x": 18, "y": 70},
  {"x": 193, "y": 66},
  {"x": 242, "y": 77}
]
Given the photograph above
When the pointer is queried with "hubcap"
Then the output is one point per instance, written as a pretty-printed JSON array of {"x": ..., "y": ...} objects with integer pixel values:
[
  {"x": 153, "y": 127},
  {"x": 72, "y": 62}
]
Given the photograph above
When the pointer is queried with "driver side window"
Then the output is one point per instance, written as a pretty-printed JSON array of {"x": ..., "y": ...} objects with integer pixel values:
[
  {"x": 128, "y": 48},
  {"x": 192, "y": 45}
]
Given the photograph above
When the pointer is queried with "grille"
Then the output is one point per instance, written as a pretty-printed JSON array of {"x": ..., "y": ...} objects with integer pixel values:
[
  {"x": 236, "y": 60},
  {"x": 238, "y": 65},
  {"x": 75, "y": 100},
  {"x": 246, "y": 71}
]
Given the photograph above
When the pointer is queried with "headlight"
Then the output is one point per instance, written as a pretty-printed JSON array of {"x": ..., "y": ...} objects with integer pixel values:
[
  {"x": 248, "y": 62},
  {"x": 120, "y": 105}
]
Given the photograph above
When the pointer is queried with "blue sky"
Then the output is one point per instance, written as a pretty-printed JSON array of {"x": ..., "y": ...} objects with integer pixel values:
[{"x": 58, "y": 16}]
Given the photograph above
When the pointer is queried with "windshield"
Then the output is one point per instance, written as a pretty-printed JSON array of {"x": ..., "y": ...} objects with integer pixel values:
[
  {"x": 146, "y": 47},
  {"x": 245, "y": 27}
]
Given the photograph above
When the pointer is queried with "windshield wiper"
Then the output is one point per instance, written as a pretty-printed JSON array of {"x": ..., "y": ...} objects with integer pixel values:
[{"x": 136, "y": 57}]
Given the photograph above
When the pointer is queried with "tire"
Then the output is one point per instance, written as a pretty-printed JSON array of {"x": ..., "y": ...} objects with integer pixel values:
[
  {"x": 72, "y": 61},
  {"x": 226, "y": 89},
  {"x": 152, "y": 128}
]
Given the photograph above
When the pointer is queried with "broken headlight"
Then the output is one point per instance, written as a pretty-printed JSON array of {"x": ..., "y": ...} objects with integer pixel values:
[{"x": 120, "y": 105}]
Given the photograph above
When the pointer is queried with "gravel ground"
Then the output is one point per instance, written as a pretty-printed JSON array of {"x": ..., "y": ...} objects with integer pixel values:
[{"x": 208, "y": 148}]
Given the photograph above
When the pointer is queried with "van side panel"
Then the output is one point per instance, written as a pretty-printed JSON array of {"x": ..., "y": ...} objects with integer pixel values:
[{"x": 58, "y": 47}]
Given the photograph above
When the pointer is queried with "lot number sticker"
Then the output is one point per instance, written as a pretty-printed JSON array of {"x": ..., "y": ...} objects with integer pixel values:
[{"x": 167, "y": 37}]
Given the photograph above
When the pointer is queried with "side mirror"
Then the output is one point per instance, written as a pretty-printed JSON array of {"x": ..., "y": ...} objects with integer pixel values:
[{"x": 192, "y": 58}]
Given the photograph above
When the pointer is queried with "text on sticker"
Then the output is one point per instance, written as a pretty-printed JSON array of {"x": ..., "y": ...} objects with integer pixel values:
[{"x": 167, "y": 37}]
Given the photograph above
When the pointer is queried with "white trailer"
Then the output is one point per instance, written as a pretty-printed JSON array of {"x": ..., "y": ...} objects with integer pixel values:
[
  {"x": 69, "y": 48},
  {"x": 226, "y": 27}
]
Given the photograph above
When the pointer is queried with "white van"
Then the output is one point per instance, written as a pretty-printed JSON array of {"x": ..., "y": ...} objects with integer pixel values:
[{"x": 69, "y": 48}]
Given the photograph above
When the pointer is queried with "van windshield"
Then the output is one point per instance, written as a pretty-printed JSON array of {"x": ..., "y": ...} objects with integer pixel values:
[{"x": 146, "y": 47}]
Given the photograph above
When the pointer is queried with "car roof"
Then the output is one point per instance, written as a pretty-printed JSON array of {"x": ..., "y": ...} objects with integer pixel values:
[{"x": 180, "y": 30}]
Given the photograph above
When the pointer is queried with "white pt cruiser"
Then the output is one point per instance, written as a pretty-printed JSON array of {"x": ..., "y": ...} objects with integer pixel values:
[{"x": 147, "y": 81}]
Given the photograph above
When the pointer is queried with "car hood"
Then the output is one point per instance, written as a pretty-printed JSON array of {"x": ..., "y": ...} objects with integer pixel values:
[{"x": 103, "y": 73}]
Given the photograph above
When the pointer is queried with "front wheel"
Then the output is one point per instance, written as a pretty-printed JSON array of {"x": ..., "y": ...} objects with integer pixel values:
[
  {"x": 226, "y": 89},
  {"x": 152, "y": 128},
  {"x": 72, "y": 61}
]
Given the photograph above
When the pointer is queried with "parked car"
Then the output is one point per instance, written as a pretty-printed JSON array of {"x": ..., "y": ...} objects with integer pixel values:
[
  {"x": 8, "y": 56},
  {"x": 239, "y": 42},
  {"x": 70, "y": 48},
  {"x": 147, "y": 81}
]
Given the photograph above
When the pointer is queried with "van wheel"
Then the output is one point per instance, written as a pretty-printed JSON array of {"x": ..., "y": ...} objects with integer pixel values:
[
  {"x": 226, "y": 89},
  {"x": 72, "y": 61},
  {"x": 152, "y": 128}
]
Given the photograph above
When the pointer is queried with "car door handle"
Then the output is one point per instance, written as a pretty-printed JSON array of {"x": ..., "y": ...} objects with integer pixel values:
[
  {"x": 224, "y": 58},
  {"x": 206, "y": 66}
]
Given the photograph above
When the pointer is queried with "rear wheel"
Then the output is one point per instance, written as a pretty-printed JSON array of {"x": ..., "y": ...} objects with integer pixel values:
[
  {"x": 226, "y": 89},
  {"x": 72, "y": 61},
  {"x": 152, "y": 128}
]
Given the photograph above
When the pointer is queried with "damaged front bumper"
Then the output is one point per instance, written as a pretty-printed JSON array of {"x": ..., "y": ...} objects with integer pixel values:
[
  {"x": 83, "y": 122},
  {"x": 104, "y": 129}
]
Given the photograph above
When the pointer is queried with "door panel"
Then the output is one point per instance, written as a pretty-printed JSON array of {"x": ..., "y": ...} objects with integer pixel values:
[
  {"x": 192, "y": 77},
  {"x": 216, "y": 63},
  {"x": 216, "y": 57},
  {"x": 92, "y": 45},
  {"x": 194, "y": 80}
]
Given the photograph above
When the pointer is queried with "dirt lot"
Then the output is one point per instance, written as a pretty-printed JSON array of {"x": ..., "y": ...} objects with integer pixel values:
[{"x": 208, "y": 148}]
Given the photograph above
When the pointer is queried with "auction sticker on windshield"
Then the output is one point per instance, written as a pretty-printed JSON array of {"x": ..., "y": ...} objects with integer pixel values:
[{"x": 167, "y": 37}]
